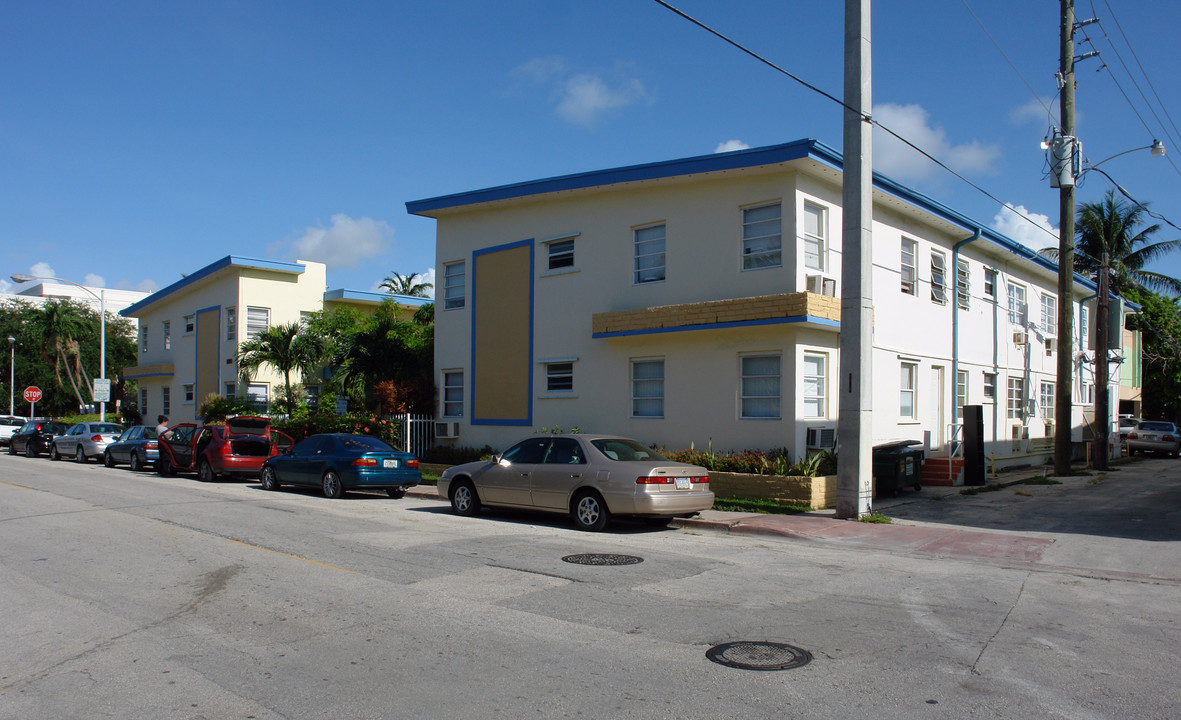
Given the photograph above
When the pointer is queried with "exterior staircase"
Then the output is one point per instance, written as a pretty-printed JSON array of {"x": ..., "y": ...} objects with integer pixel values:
[{"x": 934, "y": 471}]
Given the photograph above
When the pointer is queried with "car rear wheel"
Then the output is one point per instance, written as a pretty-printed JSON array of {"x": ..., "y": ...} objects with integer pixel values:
[
  {"x": 11, "y": 448},
  {"x": 396, "y": 493},
  {"x": 590, "y": 512},
  {"x": 268, "y": 479},
  {"x": 205, "y": 472},
  {"x": 80, "y": 455},
  {"x": 464, "y": 500},
  {"x": 29, "y": 451},
  {"x": 164, "y": 467},
  {"x": 53, "y": 453},
  {"x": 134, "y": 462},
  {"x": 331, "y": 485},
  {"x": 108, "y": 461}
]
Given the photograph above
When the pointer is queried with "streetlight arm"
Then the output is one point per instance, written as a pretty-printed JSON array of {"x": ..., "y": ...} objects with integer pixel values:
[{"x": 1157, "y": 147}]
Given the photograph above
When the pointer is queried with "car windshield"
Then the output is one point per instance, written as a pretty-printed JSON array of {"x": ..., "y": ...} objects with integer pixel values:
[
  {"x": 1157, "y": 426},
  {"x": 626, "y": 450},
  {"x": 105, "y": 428},
  {"x": 55, "y": 427},
  {"x": 364, "y": 443}
]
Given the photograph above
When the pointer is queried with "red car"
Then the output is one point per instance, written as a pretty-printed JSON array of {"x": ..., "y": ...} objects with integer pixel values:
[{"x": 237, "y": 448}]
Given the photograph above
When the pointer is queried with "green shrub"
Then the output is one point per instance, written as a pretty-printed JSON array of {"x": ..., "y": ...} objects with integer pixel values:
[
  {"x": 777, "y": 461},
  {"x": 216, "y": 407},
  {"x": 306, "y": 423},
  {"x": 452, "y": 455}
]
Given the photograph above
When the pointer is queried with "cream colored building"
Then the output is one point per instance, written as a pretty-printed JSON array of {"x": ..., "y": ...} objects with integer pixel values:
[
  {"x": 696, "y": 301},
  {"x": 189, "y": 332}
]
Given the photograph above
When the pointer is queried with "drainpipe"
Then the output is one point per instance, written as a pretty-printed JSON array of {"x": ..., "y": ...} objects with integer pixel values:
[{"x": 955, "y": 331}]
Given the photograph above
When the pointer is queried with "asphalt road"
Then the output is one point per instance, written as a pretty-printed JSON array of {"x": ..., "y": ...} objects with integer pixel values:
[{"x": 132, "y": 596}]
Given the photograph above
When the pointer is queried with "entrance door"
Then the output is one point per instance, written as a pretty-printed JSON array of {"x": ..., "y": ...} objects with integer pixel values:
[{"x": 936, "y": 411}]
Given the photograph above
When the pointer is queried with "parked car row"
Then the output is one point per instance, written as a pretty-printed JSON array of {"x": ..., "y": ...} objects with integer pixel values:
[{"x": 243, "y": 447}]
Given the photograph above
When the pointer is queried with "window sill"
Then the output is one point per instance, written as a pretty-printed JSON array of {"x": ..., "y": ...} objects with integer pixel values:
[
  {"x": 563, "y": 396},
  {"x": 762, "y": 419},
  {"x": 560, "y": 271}
]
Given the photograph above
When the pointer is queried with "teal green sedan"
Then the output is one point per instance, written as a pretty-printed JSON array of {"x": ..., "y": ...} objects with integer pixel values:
[{"x": 337, "y": 463}]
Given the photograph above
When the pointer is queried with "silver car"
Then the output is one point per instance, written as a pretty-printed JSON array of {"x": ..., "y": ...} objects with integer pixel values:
[
  {"x": 590, "y": 477},
  {"x": 84, "y": 441},
  {"x": 1154, "y": 436}
]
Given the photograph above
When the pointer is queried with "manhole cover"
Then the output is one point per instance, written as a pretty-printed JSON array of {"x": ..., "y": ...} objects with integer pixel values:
[
  {"x": 602, "y": 559},
  {"x": 759, "y": 655}
]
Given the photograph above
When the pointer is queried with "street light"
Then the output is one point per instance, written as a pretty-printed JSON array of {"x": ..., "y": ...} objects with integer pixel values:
[
  {"x": 102, "y": 305},
  {"x": 11, "y": 374},
  {"x": 1157, "y": 147}
]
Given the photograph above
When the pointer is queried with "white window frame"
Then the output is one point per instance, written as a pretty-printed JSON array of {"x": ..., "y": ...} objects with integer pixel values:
[
  {"x": 190, "y": 324},
  {"x": 816, "y": 243},
  {"x": 230, "y": 388},
  {"x": 815, "y": 389},
  {"x": 143, "y": 403},
  {"x": 258, "y": 319},
  {"x": 908, "y": 266},
  {"x": 143, "y": 338},
  {"x": 908, "y": 379},
  {"x": 252, "y": 394},
  {"x": 559, "y": 377},
  {"x": 166, "y": 400},
  {"x": 1049, "y": 315},
  {"x": 232, "y": 324},
  {"x": 1017, "y": 304},
  {"x": 452, "y": 393},
  {"x": 643, "y": 249},
  {"x": 1046, "y": 400},
  {"x": 963, "y": 284},
  {"x": 749, "y": 398},
  {"x": 990, "y": 278},
  {"x": 1084, "y": 323},
  {"x": 765, "y": 233},
  {"x": 1015, "y": 398},
  {"x": 560, "y": 254},
  {"x": 188, "y": 390},
  {"x": 647, "y": 387},
  {"x": 961, "y": 393},
  {"x": 455, "y": 285},
  {"x": 167, "y": 334},
  {"x": 990, "y": 380},
  {"x": 938, "y": 278}
]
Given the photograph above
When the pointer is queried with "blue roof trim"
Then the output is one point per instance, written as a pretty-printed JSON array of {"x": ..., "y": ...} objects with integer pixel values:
[
  {"x": 752, "y": 157},
  {"x": 341, "y": 294},
  {"x": 225, "y": 262},
  {"x": 717, "y": 326}
]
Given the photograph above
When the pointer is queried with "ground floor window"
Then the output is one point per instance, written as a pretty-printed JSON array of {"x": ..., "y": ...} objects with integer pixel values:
[
  {"x": 231, "y": 388},
  {"x": 648, "y": 388},
  {"x": 1016, "y": 398},
  {"x": 258, "y": 394},
  {"x": 559, "y": 377},
  {"x": 815, "y": 372},
  {"x": 143, "y": 402},
  {"x": 961, "y": 394},
  {"x": 1046, "y": 401},
  {"x": 760, "y": 386},
  {"x": 452, "y": 393},
  {"x": 907, "y": 388}
]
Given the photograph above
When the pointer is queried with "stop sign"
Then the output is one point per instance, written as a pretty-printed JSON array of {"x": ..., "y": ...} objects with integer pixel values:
[{"x": 32, "y": 393}]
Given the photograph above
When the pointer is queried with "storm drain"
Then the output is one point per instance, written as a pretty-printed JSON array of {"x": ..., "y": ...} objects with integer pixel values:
[
  {"x": 759, "y": 655},
  {"x": 602, "y": 559}
]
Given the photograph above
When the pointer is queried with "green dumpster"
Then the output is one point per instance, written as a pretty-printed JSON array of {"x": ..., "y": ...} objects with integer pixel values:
[{"x": 897, "y": 464}]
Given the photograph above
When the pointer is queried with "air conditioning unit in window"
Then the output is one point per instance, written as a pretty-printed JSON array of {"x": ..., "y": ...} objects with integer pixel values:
[
  {"x": 1019, "y": 337},
  {"x": 820, "y": 285},
  {"x": 820, "y": 438},
  {"x": 446, "y": 430}
]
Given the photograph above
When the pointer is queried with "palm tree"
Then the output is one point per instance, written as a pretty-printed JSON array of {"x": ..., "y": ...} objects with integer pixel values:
[
  {"x": 404, "y": 285},
  {"x": 1112, "y": 225},
  {"x": 59, "y": 324},
  {"x": 286, "y": 348}
]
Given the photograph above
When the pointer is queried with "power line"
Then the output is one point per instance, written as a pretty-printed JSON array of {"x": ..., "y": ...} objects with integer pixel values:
[
  {"x": 865, "y": 117},
  {"x": 1049, "y": 112}
]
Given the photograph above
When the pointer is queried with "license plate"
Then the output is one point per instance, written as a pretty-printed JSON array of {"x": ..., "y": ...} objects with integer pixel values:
[
  {"x": 1151, "y": 437},
  {"x": 682, "y": 483},
  {"x": 389, "y": 463}
]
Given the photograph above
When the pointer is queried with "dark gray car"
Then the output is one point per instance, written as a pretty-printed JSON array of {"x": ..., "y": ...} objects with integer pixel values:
[{"x": 135, "y": 447}]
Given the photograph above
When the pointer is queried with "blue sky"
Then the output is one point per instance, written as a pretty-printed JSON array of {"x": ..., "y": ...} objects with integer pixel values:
[{"x": 143, "y": 140}]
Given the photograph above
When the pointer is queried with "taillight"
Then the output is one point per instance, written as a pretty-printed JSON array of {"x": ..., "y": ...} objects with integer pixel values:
[
  {"x": 365, "y": 462},
  {"x": 664, "y": 480},
  {"x": 1168, "y": 438},
  {"x": 150, "y": 446},
  {"x": 412, "y": 462},
  {"x": 96, "y": 438},
  {"x": 1132, "y": 436}
]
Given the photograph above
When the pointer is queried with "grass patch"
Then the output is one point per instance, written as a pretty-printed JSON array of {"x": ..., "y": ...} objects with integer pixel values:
[
  {"x": 991, "y": 487},
  {"x": 1041, "y": 481},
  {"x": 758, "y": 506},
  {"x": 876, "y": 518},
  {"x": 429, "y": 479}
]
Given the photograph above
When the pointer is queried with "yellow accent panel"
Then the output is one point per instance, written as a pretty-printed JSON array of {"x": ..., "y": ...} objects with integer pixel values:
[
  {"x": 500, "y": 311},
  {"x": 763, "y": 307},
  {"x": 208, "y": 378}
]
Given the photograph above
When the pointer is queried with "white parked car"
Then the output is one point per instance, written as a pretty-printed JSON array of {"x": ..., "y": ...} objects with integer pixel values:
[{"x": 8, "y": 425}]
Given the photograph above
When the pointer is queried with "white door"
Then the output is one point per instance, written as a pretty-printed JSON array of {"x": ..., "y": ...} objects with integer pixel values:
[{"x": 936, "y": 412}]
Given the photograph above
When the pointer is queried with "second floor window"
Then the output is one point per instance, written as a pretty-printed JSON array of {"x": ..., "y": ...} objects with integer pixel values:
[
  {"x": 938, "y": 278},
  {"x": 1016, "y": 304},
  {"x": 454, "y": 286},
  {"x": 1016, "y": 399},
  {"x": 909, "y": 250},
  {"x": 561, "y": 254},
  {"x": 257, "y": 320},
  {"x": 167, "y": 334},
  {"x": 1049, "y": 315},
  {"x": 815, "y": 236},
  {"x": 762, "y": 237},
  {"x": 649, "y": 255},
  {"x": 963, "y": 285},
  {"x": 1046, "y": 403},
  {"x": 232, "y": 324}
]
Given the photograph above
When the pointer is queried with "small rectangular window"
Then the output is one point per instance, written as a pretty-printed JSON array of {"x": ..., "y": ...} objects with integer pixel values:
[
  {"x": 257, "y": 320},
  {"x": 167, "y": 335},
  {"x": 961, "y": 394},
  {"x": 453, "y": 393},
  {"x": 143, "y": 338},
  {"x": 1046, "y": 401},
  {"x": 1084, "y": 326},
  {"x": 1016, "y": 304},
  {"x": 938, "y": 278},
  {"x": 230, "y": 389},
  {"x": 1016, "y": 398},
  {"x": 909, "y": 251},
  {"x": 143, "y": 403},
  {"x": 559, "y": 377},
  {"x": 990, "y": 387},
  {"x": 963, "y": 285},
  {"x": 454, "y": 285},
  {"x": 649, "y": 254},
  {"x": 815, "y": 236},
  {"x": 648, "y": 388},
  {"x": 258, "y": 396},
  {"x": 232, "y": 324},
  {"x": 190, "y": 324},
  {"x": 815, "y": 384},
  {"x": 990, "y": 283},
  {"x": 188, "y": 393},
  {"x": 907, "y": 407},
  {"x": 762, "y": 237},
  {"x": 560, "y": 254},
  {"x": 760, "y": 381},
  {"x": 166, "y": 401},
  {"x": 1049, "y": 315}
]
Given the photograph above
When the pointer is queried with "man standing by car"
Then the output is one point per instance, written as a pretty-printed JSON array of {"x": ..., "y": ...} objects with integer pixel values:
[{"x": 161, "y": 424}]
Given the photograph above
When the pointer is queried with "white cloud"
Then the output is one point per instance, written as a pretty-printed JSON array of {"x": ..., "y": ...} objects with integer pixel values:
[
  {"x": 42, "y": 269},
  {"x": 730, "y": 146},
  {"x": 6, "y": 287},
  {"x": 1035, "y": 111},
  {"x": 583, "y": 98},
  {"x": 93, "y": 280},
  {"x": 1036, "y": 232},
  {"x": 345, "y": 244},
  {"x": 148, "y": 286},
  {"x": 541, "y": 69},
  {"x": 892, "y": 157}
]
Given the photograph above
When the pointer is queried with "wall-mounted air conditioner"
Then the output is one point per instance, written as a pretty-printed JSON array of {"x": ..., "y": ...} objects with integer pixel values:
[
  {"x": 820, "y": 438},
  {"x": 820, "y": 285},
  {"x": 1019, "y": 336},
  {"x": 446, "y": 430}
]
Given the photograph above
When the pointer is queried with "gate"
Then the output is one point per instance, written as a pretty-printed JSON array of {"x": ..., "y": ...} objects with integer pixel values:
[{"x": 416, "y": 433}]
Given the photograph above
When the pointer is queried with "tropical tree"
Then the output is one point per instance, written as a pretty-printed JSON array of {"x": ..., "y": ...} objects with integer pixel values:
[
  {"x": 1159, "y": 323},
  {"x": 287, "y": 348},
  {"x": 388, "y": 362},
  {"x": 399, "y": 284},
  {"x": 59, "y": 326}
]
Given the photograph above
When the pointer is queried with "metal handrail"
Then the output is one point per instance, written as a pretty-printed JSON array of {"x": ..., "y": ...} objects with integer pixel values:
[{"x": 954, "y": 430}]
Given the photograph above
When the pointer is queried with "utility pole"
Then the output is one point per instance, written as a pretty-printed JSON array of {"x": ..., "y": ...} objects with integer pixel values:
[
  {"x": 1064, "y": 385},
  {"x": 854, "y": 424},
  {"x": 1102, "y": 379}
]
